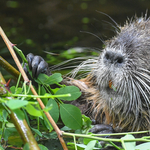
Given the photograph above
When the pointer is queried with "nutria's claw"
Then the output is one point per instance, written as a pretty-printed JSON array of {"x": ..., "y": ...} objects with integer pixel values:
[
  {"x": 30, "y": 57},
  {"x": 37, "y": 65},
  {"x": 102, "y": 129}
]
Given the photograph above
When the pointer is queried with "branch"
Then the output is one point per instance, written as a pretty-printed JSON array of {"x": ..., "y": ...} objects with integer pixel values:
[
  {"x": 58, "y": 131},
  {"x": 9, "y": 67},
  {"x": 22, "y": 126}
]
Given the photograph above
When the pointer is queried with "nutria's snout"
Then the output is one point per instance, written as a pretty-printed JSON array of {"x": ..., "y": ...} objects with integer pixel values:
[{"x": 115, "y": 58}]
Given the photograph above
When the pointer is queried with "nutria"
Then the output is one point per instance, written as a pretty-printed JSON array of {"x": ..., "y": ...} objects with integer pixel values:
[{"x": 117, "y": 87}]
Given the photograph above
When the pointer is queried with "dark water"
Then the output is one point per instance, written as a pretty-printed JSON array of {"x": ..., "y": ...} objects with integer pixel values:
[{"x": 55, "y": 25}]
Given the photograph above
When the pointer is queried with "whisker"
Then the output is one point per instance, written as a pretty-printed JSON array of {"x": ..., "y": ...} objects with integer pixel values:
[
  {"x": 94, "y": 35},
  {"x": 109, "y": 18}
]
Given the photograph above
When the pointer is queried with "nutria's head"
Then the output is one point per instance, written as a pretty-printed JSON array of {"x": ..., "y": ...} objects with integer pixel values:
[
  {"x": 123, "y": 71},
  {"x": 120, "y": 77}
]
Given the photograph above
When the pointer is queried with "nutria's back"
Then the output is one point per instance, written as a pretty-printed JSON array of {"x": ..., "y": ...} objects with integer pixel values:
[{"x": 119, "y": 82}]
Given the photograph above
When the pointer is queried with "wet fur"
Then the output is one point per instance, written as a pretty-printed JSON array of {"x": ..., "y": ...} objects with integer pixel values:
[{"x": 127, "y": 108}]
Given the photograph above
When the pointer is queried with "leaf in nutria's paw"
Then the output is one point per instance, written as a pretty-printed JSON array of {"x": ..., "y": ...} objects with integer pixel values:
[
  {"x": 71, "y": 116},
  {"x": 48, "y": 80},
  {"x": 128, "y": 145},
  {"x": 73, "y": 90}
]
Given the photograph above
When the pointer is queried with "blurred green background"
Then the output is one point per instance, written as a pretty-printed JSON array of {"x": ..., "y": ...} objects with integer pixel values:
[{"x": 58, "y": 25}]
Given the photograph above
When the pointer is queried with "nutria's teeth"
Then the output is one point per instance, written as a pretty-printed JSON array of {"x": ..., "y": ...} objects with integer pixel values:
[{"x": 111, "y": 86}]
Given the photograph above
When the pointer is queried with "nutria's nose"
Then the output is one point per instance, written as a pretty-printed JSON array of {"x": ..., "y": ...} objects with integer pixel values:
[{"x": 113, "y": 58}]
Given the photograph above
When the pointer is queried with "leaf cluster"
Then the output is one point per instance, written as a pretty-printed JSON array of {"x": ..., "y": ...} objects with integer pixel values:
[{"x": 57, "y": 98}]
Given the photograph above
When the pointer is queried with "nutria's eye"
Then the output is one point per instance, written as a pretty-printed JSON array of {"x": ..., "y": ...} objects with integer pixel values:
[{"x": 107, "y": 56}]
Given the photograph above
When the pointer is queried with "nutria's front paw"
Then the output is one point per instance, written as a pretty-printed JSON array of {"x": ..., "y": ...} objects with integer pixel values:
[
  {"x": 37, "y": 65},
  {"x": 102, "y": 129}
]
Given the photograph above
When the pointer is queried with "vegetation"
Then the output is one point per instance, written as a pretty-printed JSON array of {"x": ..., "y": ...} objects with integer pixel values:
[{"x": 21, "y": 112}]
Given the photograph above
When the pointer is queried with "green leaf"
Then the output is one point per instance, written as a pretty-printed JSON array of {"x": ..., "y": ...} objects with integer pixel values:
[
  {"x": 54, "y": 112},
  {"x": 5, "y": 114},
  {"x": 26, "y": 146},
  {"x": 48, "y": 80},
  {"x": 73, "y": 90},
  {"x": 13, "y": 88},
  {"x": 86, "y": 121},
  {"x": 78, "y": 145},
  {"x": 54, "y": 78},
  {"x": 15, "y": 104},
  {"x": 41, "y": 78},
  {"x": 1, "y": 147},
  {"x": 143, "y": 146},
  {"x": 91, "y": 145},
  {"x": 71, "y": 116},
  {"x": 42, "y": 147},
  {"x": 37, "y": 132},
  {"x": 48, "y": 108},
  {"x": 87, "y": 140},
  {"x": 42, "y": 92},
  {"x": 33, "y": 111},
  {"x": 19, "y": 114},
  {"x": 65, "y": 128},
  {"x": 10, "y": 125},
  {"x": 128, "y": 145},
  {"x": 8, "y": 132}
]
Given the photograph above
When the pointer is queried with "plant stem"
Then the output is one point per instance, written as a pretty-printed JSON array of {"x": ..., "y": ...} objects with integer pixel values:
[
  {"x": 105, "y": 139},
  {"x": 9, "y": 45},
  {"x": 40, "y": 96},
  {"x": 9, "y": 67},
  {"x": 123, "y": 133},
  {"x": 22, "y": 127}
]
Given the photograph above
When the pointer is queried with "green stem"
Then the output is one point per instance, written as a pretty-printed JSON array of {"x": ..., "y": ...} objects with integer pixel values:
[
  {"x": 18, "y": 82},
  {"x": 105, "y": 139},
  {"x": 74, "y": 138},
  {"x": 40, "y": 96},
  {"x": 3, "y": 127},
  {"x": 114, "y": 145},
  {"x": 123, "y": 133},
  {"x": 1, "y": 100},
  {"x": 38, "y": 123},
  {"x": 20, "y": 54}
]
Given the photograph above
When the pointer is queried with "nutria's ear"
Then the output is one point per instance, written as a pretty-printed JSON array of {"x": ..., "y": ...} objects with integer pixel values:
[{"x": 37, "y": 65}]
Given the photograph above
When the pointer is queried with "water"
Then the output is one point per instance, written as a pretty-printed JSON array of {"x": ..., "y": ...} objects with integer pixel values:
[{"x": 57, "y": 25}]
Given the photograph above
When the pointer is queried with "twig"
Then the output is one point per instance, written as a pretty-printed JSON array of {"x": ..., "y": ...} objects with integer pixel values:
[
  {"x": 9, "y": 67},
  {"x": 22, "y": 127},
  {"x": 58, "y": 131}
]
